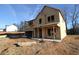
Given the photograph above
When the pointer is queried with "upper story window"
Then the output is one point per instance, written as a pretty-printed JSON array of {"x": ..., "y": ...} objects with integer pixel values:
[
  {"x": 40, "y": 21},
  {"x": 52, "y": 18},
  {"x": 49, "y": 19}
]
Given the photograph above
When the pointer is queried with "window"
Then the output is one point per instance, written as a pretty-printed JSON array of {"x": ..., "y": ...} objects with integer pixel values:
[
  {"x": 49, "y": 32},
  {"x": 40, "y": 21},
  {"x": 52, "y": 18},
  {"x": 49, "y": 19}
]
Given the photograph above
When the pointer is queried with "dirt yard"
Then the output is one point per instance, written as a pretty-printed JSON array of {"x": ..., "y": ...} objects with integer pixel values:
[{"x": 68, "y": 46}]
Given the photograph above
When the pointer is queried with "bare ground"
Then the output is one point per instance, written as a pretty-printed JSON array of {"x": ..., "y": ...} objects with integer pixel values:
[{"x": 68, "y": 46}]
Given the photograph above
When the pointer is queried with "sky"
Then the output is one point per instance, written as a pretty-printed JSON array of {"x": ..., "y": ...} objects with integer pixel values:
[{"x": 15, "y": 13}]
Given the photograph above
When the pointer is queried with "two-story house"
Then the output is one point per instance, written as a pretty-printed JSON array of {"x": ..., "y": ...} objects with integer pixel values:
[{"x": 49, "y": 24}]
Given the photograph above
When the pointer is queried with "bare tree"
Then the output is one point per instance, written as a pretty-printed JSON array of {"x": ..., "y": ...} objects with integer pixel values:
[
  {"x": 71, "y": 15},
  {"x": 74, "y": 15},
  {"x": 65, "y": 13},
  {"x": 20, "y": 26}
]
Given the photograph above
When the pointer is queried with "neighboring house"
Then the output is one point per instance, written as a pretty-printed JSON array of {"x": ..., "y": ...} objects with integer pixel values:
[
  {"x": 1, "y": 30},
  {"x": 11, "y": 28},
  {"x": 49, "y": 24}
]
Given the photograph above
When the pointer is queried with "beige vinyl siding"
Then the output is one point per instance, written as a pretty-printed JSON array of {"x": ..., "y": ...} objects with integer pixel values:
[
  {"x": 44, "y": 16},
  {"x": 62, "y": 26}
]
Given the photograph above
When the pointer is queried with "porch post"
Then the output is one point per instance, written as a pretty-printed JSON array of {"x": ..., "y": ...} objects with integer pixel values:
[
  {"x": 43, "y": 32},
  {"x": 37, "y": 32},
  {"x": 34, "y": 33},
  {"x": 53, "y": 32}
]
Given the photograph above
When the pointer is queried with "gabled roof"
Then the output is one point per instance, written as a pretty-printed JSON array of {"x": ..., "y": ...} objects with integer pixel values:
[{"x": 51, "y": 8}]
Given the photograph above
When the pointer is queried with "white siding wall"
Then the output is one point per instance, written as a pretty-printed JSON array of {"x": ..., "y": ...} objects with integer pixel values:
[
  {"x": 1, "y": 30},
  {"x": 62, "y": 26},
  {"x": 11, "y": 28}
]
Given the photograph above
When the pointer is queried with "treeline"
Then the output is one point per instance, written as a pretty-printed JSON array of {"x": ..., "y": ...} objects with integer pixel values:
[{"x": 71, "y": 15}]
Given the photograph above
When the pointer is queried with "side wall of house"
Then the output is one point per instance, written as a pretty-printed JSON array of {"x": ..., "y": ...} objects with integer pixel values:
[{"x": 62, "y": 26}]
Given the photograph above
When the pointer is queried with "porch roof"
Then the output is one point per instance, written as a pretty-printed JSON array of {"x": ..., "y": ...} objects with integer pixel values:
[
  {"x": 52, "y": 24},
  {"x": 49, "y": 25}
]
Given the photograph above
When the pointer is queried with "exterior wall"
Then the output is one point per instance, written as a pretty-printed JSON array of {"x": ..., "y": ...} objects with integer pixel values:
[
  {"x": 58, "y": 33},
  {"x": 62, "y": 26},
  {"x": 44, "y": 14}
]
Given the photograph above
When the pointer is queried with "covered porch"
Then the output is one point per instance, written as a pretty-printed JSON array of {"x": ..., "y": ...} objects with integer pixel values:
[{"x": 47, "y": 32}]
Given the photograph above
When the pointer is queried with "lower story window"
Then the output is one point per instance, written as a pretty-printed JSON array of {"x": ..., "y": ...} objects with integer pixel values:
[{"x": 49, "y": 32}]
